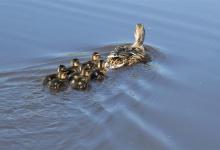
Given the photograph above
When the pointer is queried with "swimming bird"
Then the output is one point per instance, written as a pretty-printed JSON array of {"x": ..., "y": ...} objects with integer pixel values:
[
  {"x": 75, "y": 68},
  {"x": 127, "y": 55},
  {"x": 60, "y": 82},
  {"x": 100, "y": 72},
  {"x": 96, "y": 57},
  {"x": 80, "y": 81},
  {"x": 92, "y": 64},
  {"x": 50, "y": 77}
]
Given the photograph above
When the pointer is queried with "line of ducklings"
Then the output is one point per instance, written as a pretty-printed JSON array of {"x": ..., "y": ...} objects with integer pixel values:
[{"x": 77, "y": 76}]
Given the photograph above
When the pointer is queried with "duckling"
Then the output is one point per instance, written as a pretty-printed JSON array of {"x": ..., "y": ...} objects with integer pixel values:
[
  {"x": 81, "y": 81},
  {"x": 99, "y": 73},
  {"x": 127, "y": 55},
  {"x": 96, "y": 57},
  {"x": 75, "y": 67},
  {"x": 92, "y": 64},
  {"x": 61, "y": 81},
  {"x": 86, "y": 74},
  {"x": 50, "y": 77}
]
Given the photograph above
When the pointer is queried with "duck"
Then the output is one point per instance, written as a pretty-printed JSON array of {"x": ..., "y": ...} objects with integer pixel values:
[
  {"x": 99, "y": 74},
  {"x": 50, "y": 77},
  {"x": 75, "y": 67},
  {"x": 80, "y": 81},
  {"x": 127, "y": 55},
  {"x": 92, "y": 64},
  {"x": 60, "y": 82},
  {"x": 96, "y": 57}
]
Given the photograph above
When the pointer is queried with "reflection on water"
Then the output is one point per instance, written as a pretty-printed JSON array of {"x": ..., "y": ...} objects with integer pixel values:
[{"x": 169, "y": 103}]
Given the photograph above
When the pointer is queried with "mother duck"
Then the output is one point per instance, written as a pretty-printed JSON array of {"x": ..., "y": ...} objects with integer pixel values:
[{"x": 127, "y": 55}]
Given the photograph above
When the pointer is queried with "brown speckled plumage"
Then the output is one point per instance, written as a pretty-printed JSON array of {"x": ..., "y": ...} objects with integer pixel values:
[{"x": 128, "y": 55}]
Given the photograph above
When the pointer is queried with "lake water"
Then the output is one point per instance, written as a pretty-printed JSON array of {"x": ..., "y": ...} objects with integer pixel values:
[{"x": 172, "y": 102}]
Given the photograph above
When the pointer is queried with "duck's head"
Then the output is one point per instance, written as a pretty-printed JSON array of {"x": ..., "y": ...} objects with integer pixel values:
[
  {"x": 75, "y": 62},
  {"x": 62, "y": 72},
  {"x": 61, "y": 68},
  {"x": 96, "y": 56},
  {"x": 139, "y": 35}
]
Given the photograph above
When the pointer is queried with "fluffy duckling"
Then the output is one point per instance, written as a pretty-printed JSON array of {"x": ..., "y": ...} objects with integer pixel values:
[
  {"x": 60, "y": 82},
  {"x": 62, "y": 72},
  {"x": 50, "y": 77},
  {"x": 99, "y": 73},
  {"x": 92, "y": 64},
  {"x": 75, "y": 68},
  {"x": 96, "y": 57},
  {"x": 127, "y": 55},
  {"x": 81, "y": 81}
]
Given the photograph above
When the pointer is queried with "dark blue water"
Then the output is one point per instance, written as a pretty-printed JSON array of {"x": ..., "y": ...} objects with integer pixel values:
[{"x": 169, "y": 103}]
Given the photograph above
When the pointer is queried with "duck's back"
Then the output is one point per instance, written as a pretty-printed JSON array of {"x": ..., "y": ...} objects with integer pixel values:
[{"x": 125, "y": 55}]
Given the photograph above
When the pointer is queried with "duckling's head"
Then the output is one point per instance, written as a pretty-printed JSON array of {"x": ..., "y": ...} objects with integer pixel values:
[
  {"x": 96, "y": 56},
  {"x": 61, "y": 68},
  {"x": 139, "y": 35},
  {"x": 62, "y": 72},
  {"x": 75, "y": 62}
]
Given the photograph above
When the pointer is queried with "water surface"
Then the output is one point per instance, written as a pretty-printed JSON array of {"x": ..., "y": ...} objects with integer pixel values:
[{"x": 169, "y": 103}]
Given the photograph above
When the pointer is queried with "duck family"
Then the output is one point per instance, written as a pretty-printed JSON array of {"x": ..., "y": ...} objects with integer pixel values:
[{"x": 79, "y": 75}]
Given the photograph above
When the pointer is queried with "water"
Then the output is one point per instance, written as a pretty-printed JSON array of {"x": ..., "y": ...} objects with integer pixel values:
[{"x": 169, "y": 103}]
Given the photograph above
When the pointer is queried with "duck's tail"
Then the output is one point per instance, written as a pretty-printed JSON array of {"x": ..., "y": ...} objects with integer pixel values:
[{"x": 139, "y": 36}]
